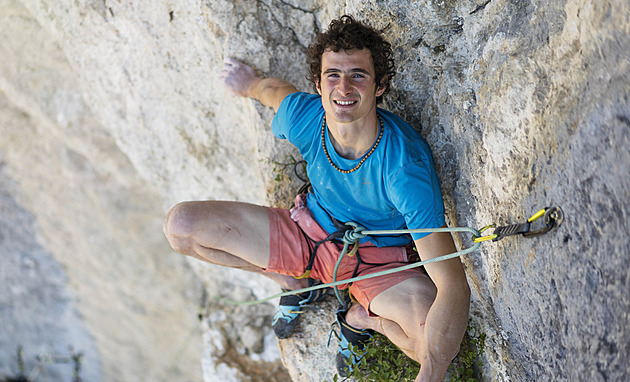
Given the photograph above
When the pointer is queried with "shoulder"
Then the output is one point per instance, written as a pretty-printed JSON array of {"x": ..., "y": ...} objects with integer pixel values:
[
  {"x": 409, "y": 159},
  {"x": 296, "y": 107},
  {"x": 296, "y": 111},
  {"x": 412, "y": 181},
  {"x": 299, "y": 101},
  {"x": 400, "y": 129},
  {"x": 405, "y": 146}
]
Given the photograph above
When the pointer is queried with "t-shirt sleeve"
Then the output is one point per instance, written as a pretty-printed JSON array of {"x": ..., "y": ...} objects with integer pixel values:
[
  {"x": 282, "y": 120},
  {"x": 416, "y": 194},
  {"x": 295, "y": 111}
]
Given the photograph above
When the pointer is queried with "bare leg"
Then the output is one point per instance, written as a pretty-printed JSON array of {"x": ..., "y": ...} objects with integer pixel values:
[
  {"x": 231, "y": 234},
  {"x": 402, "y": 311}
]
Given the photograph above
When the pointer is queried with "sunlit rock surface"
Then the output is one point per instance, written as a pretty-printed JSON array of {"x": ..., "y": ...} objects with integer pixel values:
[{"x": 111, "y": 112}]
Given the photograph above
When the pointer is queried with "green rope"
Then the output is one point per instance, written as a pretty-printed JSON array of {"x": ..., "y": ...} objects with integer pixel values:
[{"x": 351, "y": 237}]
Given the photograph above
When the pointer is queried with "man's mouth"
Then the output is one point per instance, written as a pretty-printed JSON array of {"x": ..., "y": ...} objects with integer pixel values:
[{"x": 345, "y": 103}]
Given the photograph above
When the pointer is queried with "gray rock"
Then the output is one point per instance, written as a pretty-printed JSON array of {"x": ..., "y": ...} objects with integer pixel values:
[
  {"x": 112, "y": 112},
  {"x": 252, "y": 338}
]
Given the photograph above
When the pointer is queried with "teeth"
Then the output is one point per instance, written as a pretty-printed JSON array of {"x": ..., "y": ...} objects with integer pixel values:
[{"x": 345, "y": 103}]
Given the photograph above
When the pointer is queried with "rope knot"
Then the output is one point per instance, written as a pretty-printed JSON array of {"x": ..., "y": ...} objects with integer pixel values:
[{"x": 353, "y": 235}]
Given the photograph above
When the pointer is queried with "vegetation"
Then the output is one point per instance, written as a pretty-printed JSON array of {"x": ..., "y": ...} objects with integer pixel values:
[
  {"x": 286, "y": 177},
  {"x": 384, "y": 362}
]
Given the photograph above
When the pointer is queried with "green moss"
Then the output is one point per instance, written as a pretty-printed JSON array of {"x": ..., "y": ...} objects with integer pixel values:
[
  {"x": 384, "y": 362},
  {"x": 464, "y": 366}
]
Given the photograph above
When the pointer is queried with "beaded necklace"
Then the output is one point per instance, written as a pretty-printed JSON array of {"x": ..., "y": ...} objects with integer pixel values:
[{"x": 378, "y": 140}]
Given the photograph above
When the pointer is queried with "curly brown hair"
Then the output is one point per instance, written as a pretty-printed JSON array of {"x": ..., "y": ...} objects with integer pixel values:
[{"x": 346, "y": 33}]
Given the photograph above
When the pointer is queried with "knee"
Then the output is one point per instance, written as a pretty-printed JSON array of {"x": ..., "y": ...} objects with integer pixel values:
[{"x": 178, "y": 226}]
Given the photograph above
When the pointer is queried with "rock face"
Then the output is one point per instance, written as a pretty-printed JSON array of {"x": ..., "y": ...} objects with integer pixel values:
[
  {"x": 84, "y": 264},
  {"x": 111, "y": 112}
]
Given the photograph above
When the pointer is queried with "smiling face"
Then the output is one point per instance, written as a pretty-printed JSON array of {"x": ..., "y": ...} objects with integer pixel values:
[{"x": 347, "y": 86}]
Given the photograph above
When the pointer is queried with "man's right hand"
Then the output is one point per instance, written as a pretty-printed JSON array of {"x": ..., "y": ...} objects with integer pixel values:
[
  {"x": 242, "y": 80},
  {"x": 239, "y": 77}
]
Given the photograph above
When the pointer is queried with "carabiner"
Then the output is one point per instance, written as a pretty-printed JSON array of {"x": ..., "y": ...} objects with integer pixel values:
[
  {"x": 553, "y": 217},
  {"x": 479, "y": 239}
]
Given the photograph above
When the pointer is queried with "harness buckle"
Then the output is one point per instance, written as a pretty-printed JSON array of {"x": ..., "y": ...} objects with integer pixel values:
[
  {"x": 354, "y": 250},
  {"x": 305, "y": 275}
]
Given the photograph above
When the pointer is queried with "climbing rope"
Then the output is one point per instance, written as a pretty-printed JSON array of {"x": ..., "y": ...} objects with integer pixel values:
[
  {"x": 553, "y": 217},
  {"x": 353, "y": 236}
]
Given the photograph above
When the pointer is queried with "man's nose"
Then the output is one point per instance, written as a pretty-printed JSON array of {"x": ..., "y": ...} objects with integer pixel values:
[{"x": 345, "y": 86}]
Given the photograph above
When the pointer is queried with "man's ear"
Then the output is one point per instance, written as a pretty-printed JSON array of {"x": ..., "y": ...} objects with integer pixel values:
[
  {"x": 382, "y": 87},
  {"x": 318, "y": 82}
]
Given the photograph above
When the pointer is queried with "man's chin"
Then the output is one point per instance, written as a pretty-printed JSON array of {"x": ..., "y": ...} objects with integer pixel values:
[{"x": 342, "y": 116}]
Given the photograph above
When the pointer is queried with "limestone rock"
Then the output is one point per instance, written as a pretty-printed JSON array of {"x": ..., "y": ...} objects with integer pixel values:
[
  {"x": 240, "y": 344},
  {"x": 105, "y": 281},
  {"x": 307, "y": 353},
  {"x": 112, "y": 112},
  {"x": 38, "y": 312}
]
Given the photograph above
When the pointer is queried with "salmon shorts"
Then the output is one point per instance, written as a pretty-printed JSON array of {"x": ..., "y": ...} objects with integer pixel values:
[{"x": 292, "y": 234}]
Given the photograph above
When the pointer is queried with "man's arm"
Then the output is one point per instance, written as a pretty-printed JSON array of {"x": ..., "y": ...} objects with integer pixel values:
[
  {"x": 242, "y": 80},
  {"x": 447, "y": 319}
]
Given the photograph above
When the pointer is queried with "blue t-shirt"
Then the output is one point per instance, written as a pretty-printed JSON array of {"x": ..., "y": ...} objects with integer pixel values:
[{"x": 396, "y": 187}]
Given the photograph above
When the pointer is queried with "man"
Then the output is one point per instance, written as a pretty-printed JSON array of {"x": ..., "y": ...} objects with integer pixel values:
[{"x": 366, "y": 165}]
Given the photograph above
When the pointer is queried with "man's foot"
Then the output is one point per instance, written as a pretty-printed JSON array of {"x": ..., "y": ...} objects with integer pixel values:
[
  {"x": 290, "y": 308},
  {"x": 352, "y": 342}
]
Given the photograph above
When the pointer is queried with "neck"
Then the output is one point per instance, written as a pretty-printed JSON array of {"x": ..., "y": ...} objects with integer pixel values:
[{"x": 353, "y": 140}]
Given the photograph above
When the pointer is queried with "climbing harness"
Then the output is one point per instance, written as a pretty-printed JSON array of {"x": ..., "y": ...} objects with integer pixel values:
[
  {"x": 353, "y": 236},
  {"x": 552, "y": 218},
  {"x": 338, "y": 236}
]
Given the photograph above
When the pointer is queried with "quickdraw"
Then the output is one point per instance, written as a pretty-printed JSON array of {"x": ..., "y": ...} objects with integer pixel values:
[{"x": 552, "y": 218}]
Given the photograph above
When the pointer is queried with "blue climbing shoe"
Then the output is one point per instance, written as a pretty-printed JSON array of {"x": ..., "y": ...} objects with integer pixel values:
[
  {"x": 290, "y": 308},
  {"x": 352, "y": 342}
]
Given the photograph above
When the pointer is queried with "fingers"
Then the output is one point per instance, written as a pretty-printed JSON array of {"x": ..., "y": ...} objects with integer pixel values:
[
  {"x": 237, "y": 77},
  {"x": 229, "y": 74},
  {"x": 229, "y": 66},
  {"x": 232, "y": 65},
  {"x": 231, "y": 61}
]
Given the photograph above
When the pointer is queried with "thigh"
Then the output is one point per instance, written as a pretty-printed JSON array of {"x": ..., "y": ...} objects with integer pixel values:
[
  {"x": 240, "y": 229},
  {"x": 288, "y": 244},
  {"x": 406, "y": 303}
]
